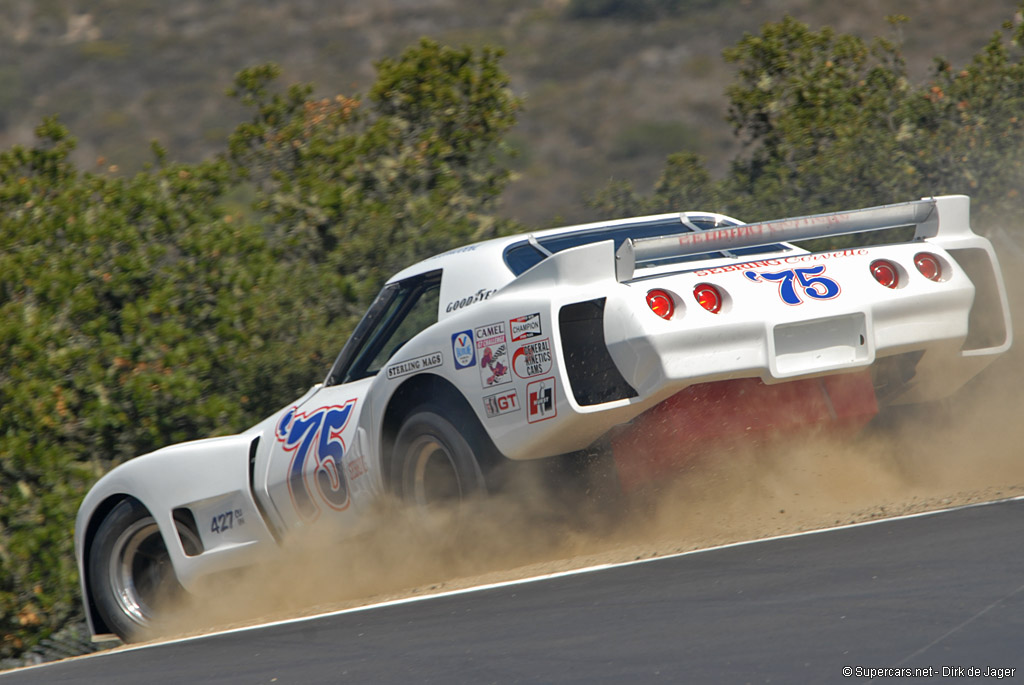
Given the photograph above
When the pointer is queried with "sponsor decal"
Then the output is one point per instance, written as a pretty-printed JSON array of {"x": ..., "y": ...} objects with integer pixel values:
[
  {"x": 540, "y": 400},
  {"x": 810, "y": 281},
  {"x": 532, "y": 359},
  {"x": 462, "y": 350},
  {"x": 427, "y": 361},
  {"x": 478, "y": 296},
  {"x": 501, "y": 403},
  {"x": 523, "y": 327},
  {"x": 492, "y": 350},
  {"x": 782, "y": 261},
  {"x": 356, "y": 467},
  {"x": 315, "y": 475},
  {"x": 458, "y": 250}
]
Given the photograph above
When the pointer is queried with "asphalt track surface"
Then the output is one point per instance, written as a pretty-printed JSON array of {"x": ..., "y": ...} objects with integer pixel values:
[{"x": 944, "y": 590}]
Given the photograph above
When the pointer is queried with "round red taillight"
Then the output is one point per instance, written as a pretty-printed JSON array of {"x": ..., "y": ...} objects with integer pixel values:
[
  {"x": 661, "y": 303},
  {"x": 708, "y": 297},
  {"x": 885, "y": 273},
  {"x": 929, "y": 266}
]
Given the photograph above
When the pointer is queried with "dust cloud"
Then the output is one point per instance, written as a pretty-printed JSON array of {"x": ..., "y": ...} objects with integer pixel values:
[{"x": 961, "y": 450}]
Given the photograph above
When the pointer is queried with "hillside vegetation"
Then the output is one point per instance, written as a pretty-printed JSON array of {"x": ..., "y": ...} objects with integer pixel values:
[
  {"x": 609, "y": 87},
  {"x": 191, "y": 298}
]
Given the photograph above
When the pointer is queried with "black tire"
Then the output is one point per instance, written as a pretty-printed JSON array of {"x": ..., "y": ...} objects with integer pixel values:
[
  {"x": 131, "y": 578},
  {"x": 434, "y": 465}
]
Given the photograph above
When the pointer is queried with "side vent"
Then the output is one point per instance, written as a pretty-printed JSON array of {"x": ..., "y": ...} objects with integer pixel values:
[
  {"x": 987, "y": 325},
  {"x": 188, "y": 531},
  {"x": 592, "y": 374}
]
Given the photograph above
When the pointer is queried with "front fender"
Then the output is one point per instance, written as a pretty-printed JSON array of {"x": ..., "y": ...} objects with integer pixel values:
[{"x": 209, "y": 478}]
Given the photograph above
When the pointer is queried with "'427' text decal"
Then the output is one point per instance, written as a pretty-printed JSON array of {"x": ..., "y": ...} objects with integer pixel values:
[
  {"x": 316, "y": 472},
  {"x": 809, "y": 281}
]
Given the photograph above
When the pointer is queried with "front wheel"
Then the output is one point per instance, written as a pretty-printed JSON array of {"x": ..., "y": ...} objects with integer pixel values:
[{"x": 130, "y": 574}]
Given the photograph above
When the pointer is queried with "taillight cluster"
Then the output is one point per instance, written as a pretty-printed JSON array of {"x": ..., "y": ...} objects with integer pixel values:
[
  {"x": 888, "y": 274},
  {"x": 663, "y": 303}
]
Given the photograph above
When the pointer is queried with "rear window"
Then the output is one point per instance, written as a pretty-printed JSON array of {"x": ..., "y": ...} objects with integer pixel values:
[{"x": 523, "y": 255}]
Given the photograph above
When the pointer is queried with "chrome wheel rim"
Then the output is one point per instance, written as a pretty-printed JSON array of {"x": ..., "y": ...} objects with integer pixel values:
[
  {"x": 140, "y": 571},
  {"x": 433, "y": 478}
]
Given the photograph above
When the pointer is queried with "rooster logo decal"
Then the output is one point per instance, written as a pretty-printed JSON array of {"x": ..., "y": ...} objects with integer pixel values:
[{"x": 491, "y": 360}]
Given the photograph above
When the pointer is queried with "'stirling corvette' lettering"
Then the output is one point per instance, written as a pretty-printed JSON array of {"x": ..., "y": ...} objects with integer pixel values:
[{"x": 793, "y": 259}]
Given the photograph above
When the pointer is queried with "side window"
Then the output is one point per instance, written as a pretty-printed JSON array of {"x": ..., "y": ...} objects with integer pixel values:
[
  {"x": 421, "y": 311},
  {"x": 400, "y": 311}
]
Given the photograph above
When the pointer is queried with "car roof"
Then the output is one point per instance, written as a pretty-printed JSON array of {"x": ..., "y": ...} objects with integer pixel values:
[{"x": 485, "y": 260}]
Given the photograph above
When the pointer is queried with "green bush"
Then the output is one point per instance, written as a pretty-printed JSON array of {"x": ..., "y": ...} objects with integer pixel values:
[{"x": 830, "y": 121}]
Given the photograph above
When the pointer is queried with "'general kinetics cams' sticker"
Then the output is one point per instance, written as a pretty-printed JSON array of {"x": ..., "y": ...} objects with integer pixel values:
[
  {"x": 540, "y": 400},
  {"x": 532, "y": 359},
  {"x": 492, "y": 351}
]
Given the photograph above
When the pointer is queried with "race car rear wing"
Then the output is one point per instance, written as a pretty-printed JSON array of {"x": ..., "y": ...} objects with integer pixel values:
[{"x": 925, "y": 214}]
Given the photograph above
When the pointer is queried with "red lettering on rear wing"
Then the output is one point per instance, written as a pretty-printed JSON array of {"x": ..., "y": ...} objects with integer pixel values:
[{"x": 920, "y": 213}]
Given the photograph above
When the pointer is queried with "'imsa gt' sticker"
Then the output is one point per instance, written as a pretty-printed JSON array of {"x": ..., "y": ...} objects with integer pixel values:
[
  {"x": 427, "y": 361},
  {"x": 501, "y": 403},
  {"x": 492, "y": 349},
  {"x": 532, "y": 359},
  {"x": 523, "y": 327},
  {"x": 463, "y": 350},
  {"x": 540, "y": 400}
]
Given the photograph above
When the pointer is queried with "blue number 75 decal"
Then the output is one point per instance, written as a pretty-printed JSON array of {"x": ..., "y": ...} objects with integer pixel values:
[
  {"x": 318, "y": 449},
  {"x": 809, "y": 280}
]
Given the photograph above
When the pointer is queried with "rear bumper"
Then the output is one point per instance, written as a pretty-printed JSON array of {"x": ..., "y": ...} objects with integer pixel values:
[{"x": 756, "y": 335}]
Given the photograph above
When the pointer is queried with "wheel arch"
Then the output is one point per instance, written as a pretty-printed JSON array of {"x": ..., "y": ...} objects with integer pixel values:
[
  {"x": 429, "y": 388},
  {"x": 96, "y": 517}
]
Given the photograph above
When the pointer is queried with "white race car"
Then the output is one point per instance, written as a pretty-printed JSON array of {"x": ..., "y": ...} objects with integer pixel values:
[{"x": 647, "y": 338}]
